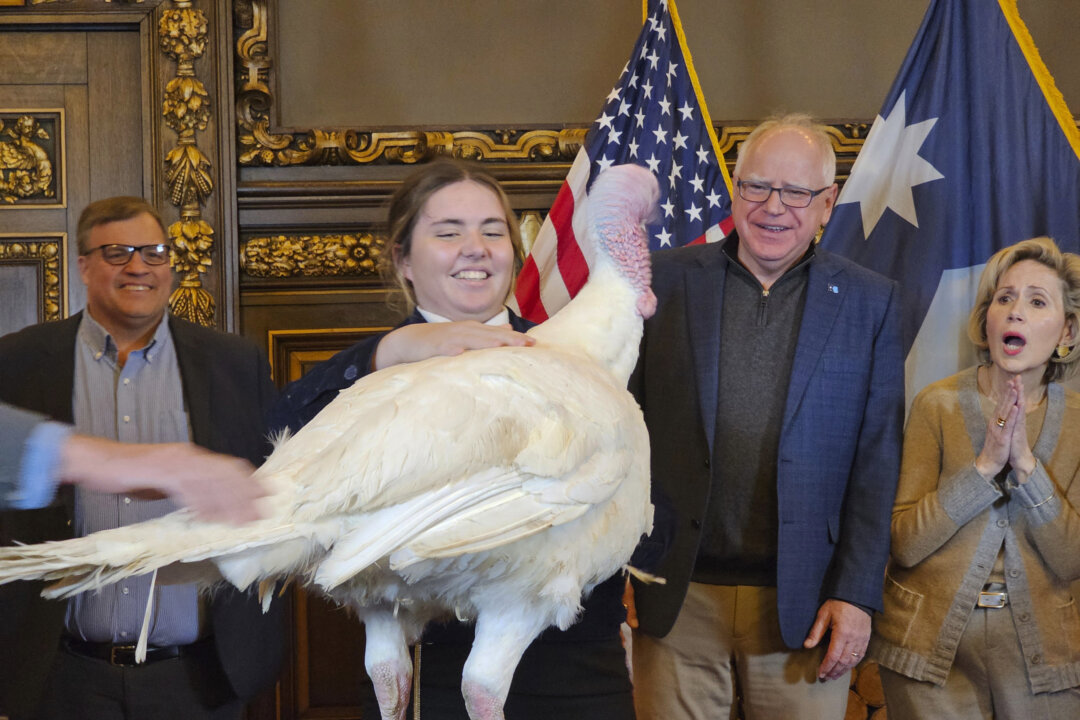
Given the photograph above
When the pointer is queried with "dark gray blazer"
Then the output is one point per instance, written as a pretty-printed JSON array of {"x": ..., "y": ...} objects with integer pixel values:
[
  {"x": 839, "y": 452},
  {"x": 228, "y": 392}
]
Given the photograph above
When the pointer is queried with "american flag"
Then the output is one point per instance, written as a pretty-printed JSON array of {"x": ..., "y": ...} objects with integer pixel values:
[{"x": 655, "y": 116}]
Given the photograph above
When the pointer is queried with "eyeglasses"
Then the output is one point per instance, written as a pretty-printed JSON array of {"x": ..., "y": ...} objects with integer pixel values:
[
  {"x": 121, "y": 254},
  {"x": 793, "y": 197}
]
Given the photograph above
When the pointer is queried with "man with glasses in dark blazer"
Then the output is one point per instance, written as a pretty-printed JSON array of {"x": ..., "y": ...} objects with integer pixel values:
[{"x": 125, "y": 370}]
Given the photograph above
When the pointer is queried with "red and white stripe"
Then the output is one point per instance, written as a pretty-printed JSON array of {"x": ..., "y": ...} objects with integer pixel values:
[{"x": 558, "y": 264}]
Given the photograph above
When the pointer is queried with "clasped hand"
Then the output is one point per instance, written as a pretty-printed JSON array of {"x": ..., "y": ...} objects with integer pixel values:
[{"x": 1006, "y": 436}]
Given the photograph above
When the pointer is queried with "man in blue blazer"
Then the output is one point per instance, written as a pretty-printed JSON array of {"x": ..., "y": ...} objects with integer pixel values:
[{"x": 771, "y": 379}]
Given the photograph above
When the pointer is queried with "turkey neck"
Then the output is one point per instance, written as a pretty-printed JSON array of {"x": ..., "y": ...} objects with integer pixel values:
[{"x": 601, "y": 322}]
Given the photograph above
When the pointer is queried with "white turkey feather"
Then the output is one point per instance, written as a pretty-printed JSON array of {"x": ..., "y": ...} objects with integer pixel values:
[{"x": 496, "y": 485}]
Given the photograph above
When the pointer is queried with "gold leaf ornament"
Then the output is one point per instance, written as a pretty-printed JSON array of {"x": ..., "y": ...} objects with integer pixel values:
[
  {"x": 281, "y": 256},
  {"x": 187, "y": 105},
  {"x": 183, "y": 34},
  {"x": 191, "y": 241},
  {"x": 25, "y": 168},
  {"x": 191, "y": 302},
  {"x": 187, "y": 172}
]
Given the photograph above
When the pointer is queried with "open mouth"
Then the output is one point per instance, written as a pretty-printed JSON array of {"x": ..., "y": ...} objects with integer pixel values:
[{"x": 1014, "y": 343}]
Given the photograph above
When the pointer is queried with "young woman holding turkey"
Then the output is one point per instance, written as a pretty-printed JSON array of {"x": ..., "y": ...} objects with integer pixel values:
[{"x": 454, "y": 249}]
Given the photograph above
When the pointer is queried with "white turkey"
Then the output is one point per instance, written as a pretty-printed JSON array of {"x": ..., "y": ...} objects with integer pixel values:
[{"x": 497, "y": 485}]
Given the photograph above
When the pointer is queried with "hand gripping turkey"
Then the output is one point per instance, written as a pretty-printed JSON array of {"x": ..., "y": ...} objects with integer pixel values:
[{"x": 497, "y": 485}]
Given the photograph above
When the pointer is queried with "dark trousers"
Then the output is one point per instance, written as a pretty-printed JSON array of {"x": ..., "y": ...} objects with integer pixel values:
[
  {"x": 190, "y": 687},
  {"x": 568, "y": 681}
]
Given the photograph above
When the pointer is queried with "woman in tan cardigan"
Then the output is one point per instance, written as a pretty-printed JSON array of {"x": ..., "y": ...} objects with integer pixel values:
[{"x": 979, "y": 619}]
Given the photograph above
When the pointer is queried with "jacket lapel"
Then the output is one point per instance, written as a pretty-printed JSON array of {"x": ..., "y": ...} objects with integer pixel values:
[
  {"x": 704, "y": 301},
  {"x": 824, "y": 295},
  {"x": 56, "y": 370},
  {"x": 196, "y": 378}
]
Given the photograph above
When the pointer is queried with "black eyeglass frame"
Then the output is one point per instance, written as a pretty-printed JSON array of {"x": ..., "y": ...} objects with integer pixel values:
[
  {"x": 780, "y": 192},
  {"x": 143, "y": 251}
]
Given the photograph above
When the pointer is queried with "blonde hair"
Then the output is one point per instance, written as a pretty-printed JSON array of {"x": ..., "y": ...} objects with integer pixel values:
[
  {"x": 407, "y": 203},
  {"x": 1044, "y": 251},
  {"x": 800, "y": 121}
]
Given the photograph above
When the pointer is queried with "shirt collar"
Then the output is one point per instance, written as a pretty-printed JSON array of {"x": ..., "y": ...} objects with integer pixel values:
[
  {"x": 500, "y": 318},
  {"x": 730, "y": 249},
  {"x": 94, "y": 335}
]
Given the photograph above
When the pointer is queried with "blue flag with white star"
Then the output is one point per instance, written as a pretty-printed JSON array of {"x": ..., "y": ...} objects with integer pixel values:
[{"x": 974, "y": 150}]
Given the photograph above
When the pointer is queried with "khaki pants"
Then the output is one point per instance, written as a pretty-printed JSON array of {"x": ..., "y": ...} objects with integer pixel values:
[
  {"x": 723, "y": 632},
  {"x": 988, "y": 680}
]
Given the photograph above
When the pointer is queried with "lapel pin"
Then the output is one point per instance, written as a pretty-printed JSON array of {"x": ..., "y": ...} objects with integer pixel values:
[{"x": 833, "y": 289}]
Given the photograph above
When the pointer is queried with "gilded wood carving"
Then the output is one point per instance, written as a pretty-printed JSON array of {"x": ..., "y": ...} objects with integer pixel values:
[
  {"x": 183, "y": 32},
  {"x": 46, "y": 253},
  {"x": 258, "y": 145},
  {"x": 29, "y": 146},
  {"x": 333, "y": 255},
  {"x": 283, "y": 256}
]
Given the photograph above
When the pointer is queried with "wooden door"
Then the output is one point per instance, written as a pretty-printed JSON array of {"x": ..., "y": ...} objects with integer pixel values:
[{"x": 71, "y": 131}]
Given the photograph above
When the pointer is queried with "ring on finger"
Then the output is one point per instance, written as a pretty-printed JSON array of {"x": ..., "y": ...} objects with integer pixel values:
[{"x": 1000, "y": 422}]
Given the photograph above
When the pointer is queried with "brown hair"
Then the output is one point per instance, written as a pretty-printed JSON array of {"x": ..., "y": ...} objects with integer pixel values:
[
  {"x": 121, "y": 207},
  {"x": 1042, "y": 250},
  {"x": 409, "y": 200}
]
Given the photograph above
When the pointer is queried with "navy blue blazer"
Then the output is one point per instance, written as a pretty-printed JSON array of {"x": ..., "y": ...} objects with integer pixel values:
[
  {"x": 227, "y": 393},
  {"x": 839, "y": 452}
]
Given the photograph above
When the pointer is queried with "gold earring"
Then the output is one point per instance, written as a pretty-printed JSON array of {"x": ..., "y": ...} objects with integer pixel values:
[{"x": 1062, "y": 351}]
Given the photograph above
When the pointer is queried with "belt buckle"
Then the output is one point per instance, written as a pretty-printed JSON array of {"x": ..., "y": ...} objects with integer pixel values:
[
  {"x": 993, "y": 599},
  {"x": 121, "y": 649}
]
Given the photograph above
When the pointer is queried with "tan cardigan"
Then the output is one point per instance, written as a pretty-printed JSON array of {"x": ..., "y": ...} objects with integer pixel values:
[{"x": 949, "y": 524}]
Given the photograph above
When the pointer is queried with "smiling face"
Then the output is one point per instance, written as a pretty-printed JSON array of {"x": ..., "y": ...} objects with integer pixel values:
[
  {"x": 128, "y": 300},
  {"x": 1026, "y": 318},
  {"x": 772, "y": 236},
  {"x": 461, "y": 258}
]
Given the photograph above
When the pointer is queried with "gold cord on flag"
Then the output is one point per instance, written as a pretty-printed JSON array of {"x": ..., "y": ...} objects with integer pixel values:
[{"x": 1054, "y": 98}]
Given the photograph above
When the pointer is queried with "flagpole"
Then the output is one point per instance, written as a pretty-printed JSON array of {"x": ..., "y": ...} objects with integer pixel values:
[{"x": 677, "y": 24}]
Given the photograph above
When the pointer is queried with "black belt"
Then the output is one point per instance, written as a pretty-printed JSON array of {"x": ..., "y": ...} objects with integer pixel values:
[{"x": 124, "y": 655}]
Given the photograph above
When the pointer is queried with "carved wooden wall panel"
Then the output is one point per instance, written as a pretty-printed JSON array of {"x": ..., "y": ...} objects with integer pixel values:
[
  {"x": 59, "y": 143},
  {"x": 32, "y": 279},
  {"x": 32, "y": 158}
]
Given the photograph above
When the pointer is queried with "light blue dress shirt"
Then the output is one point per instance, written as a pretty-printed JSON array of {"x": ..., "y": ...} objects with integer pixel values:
[{"x": 141, "y": 401}]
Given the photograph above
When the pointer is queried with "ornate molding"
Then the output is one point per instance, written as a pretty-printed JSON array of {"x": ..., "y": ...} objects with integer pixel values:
[
  {"x": 333, "y": 255},
  {"x": 286, "y": 256},
  {"x": 47, "y": 253},
  {"x": 28, "y": 154},
  {"x": 183, "y": 33},
  {"x": 258, "y": 145}
]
